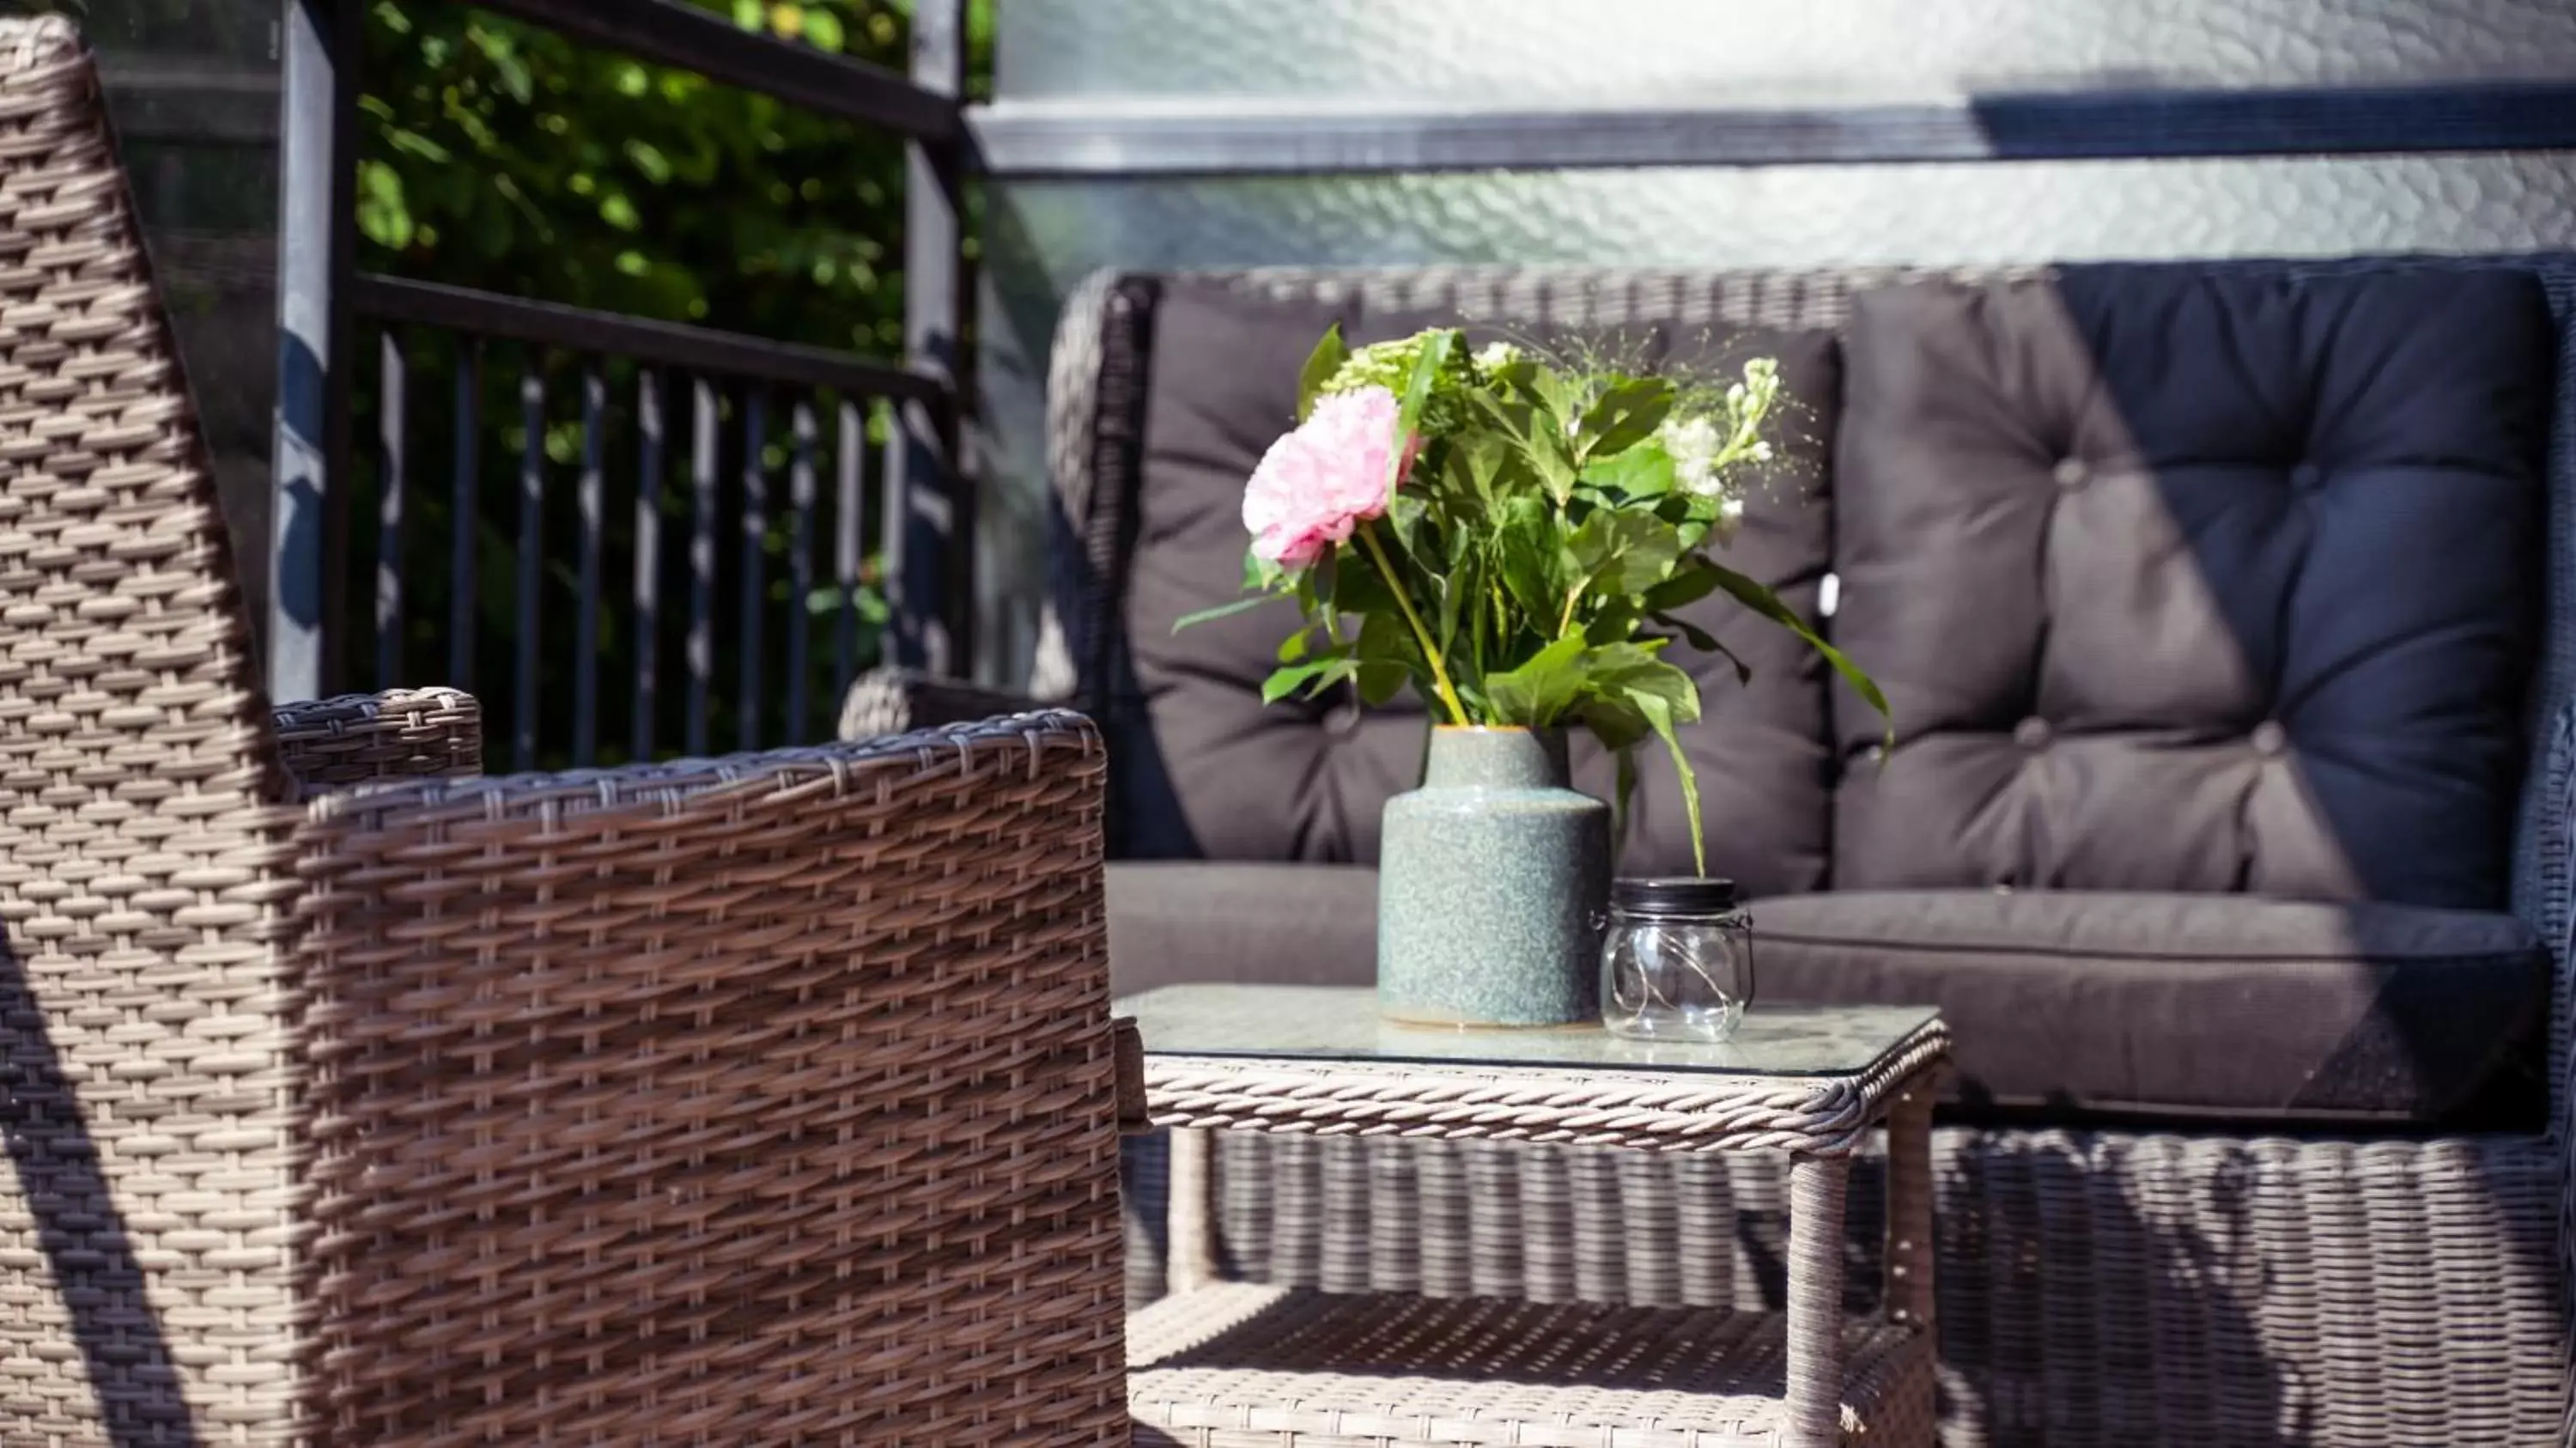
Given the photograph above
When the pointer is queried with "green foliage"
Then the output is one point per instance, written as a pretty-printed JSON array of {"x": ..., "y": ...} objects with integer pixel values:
[
  {"x": 1526, "y": 572},
  {"x": 501, "y": 156}
]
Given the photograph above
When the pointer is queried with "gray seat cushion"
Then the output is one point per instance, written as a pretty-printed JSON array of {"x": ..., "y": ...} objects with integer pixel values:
[
  {"x": 1201, "y": 768},
  {"x": 1175, "y": 921},
  {"x": 2194, "y": 581},
  {"x": 2251, "y": 1009}
]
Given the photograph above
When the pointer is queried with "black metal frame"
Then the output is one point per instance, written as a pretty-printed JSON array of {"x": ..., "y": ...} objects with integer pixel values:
[{"x": 929, "y": 507}]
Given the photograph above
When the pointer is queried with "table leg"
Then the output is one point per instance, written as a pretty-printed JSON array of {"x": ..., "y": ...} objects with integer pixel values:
[
  {"x": 1818, "y": 1187},
  {"x": 1190, "y": 1205},
  {"x": 1909, "y": 1208}
]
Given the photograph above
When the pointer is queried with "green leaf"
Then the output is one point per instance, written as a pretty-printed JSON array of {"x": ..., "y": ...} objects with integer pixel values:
[
  {"x": 1539, "y": 691},
  {"x": 1526, "y": 556},
  {"x": 1642, "y": 471},
  {"x": 1314, "y": 677},
  {"x": 1626, "y": 415},
  {"x": 1379, "y": 683},
  {"x": 1623, "y": 798},
  {"x": 1387, "y": 658},
  {"x": 1659, "y": 717},
  {"x": 1222, "y": 610},
  {"x": 1327, "y": 359},
  {"x": 1436, "y": 346},
  {"x": 1766, "y": 603},
  {"x": 1614, "y": 624},
  {"x": 1707, "y": 643},
  {"x": 1694, "y": 580},
  {"x": 1623, "y": 551}
]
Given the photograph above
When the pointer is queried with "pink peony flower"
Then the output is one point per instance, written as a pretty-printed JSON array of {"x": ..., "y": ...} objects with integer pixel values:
[{"x": 1319, "y": 483}]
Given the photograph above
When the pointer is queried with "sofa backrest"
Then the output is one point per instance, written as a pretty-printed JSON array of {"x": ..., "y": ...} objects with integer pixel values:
[
  {"x": 1132, "y": 480},
  {"x": 1174, "y": 388},
  {"x": 2193, "y": 579}
]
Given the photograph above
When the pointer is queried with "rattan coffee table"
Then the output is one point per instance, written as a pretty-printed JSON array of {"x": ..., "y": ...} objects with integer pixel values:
[{"x": 1220, "y": 1363}]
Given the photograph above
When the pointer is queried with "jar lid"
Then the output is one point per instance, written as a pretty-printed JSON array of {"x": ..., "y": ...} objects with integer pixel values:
[{"x": 1674, "y": 896}]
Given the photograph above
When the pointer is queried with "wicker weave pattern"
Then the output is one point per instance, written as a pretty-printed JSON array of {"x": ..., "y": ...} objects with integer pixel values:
[
  {"x": 147, "y": 1233},
  {"x": 2093, "y": 1288},
  {"x": 760, "y": 1101},
  {"x": 1820, "y": 1117},
  {"x": 329, "y": 744},
  {"x": 769, "y": 1100},
  {"x": 1242, "y": 1364}
]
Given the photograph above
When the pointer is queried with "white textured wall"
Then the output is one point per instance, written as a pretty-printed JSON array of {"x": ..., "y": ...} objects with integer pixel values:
[{"x": 1045, "y": 236}]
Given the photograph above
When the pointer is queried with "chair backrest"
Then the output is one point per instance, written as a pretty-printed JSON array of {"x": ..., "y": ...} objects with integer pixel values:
[{"x": 145, "y": 1005}]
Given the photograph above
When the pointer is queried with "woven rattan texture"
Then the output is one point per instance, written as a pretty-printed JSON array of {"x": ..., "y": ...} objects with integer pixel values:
[
  {"x": 2093, "y": 1288},
  {"x": 148, "y": 1224},
  {"x": 359, "y": 739},
  {"x": 1238, "y": 1365},
  {"x": 1822, "y": 1116},
  {"x": 765, "y": 1101}
]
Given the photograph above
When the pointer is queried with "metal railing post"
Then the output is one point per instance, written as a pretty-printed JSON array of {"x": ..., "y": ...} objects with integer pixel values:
[
  {"x": 929, "y": 532},
  {"x": 317, "y": 221}
]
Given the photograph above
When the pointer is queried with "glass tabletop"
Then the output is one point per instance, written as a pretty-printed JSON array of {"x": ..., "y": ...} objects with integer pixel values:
[{"x": 1342, "y": 1023}]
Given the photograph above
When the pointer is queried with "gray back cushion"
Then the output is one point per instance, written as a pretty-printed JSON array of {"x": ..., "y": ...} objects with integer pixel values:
[
  {"x": 2191, "y": 581},
  {"x": 1202, "y": 769}
]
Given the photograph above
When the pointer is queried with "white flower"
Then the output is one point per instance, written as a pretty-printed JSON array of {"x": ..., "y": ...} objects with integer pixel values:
[
  {"x": 1698, "y": 447},
  {"x": 1496, "y": 354}
]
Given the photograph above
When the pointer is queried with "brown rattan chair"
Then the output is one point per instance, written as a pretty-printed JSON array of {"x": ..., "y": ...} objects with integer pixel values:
[{"x": 767, "y": 1100}]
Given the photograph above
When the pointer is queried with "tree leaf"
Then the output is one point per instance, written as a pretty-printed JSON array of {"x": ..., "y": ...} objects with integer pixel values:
[
  {"x": 1539, "y": 691},
  {"x": 1626, "y": 415},
  {"x": 1327, "y": 358},
  {"x": 1766, "y": 603}
]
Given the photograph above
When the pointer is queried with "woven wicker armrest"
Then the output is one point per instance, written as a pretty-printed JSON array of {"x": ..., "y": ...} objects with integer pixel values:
[
  {"x": 688, "y": 1093},
  {"x": 328, "y": 744},
  {"x": 891, "y": 701}
]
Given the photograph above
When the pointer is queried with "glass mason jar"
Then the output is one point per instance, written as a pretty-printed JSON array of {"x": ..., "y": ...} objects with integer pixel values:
[{"x": 1677, "y": 964}]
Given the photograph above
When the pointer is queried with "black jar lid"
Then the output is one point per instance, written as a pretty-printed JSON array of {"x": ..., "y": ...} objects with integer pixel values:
[{"x": 1674, "y": 896}]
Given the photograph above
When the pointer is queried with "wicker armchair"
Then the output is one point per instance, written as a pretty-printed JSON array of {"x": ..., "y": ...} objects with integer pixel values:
[
  {"x": 2097, "y": 1285},
  {"x": 756, "y": 1100}
]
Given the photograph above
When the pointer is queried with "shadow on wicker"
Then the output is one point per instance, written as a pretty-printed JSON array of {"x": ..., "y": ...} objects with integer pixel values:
[{"x": 767, "y": 1099}]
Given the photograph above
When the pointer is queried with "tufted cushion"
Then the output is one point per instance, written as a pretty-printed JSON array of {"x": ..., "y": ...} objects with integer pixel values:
[
  {"x": 2068, "y": 1003},
  {"x": 1203, "y": 769},
  {"x": 2181, "y": 581}
]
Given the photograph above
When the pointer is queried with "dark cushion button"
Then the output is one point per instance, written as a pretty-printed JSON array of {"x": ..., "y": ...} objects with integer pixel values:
[
  {"x": 2071, "y": 473},
  {"x": 2307, "y": 475},
  {"x": 2032, "y": 733},
  {"x": 2270, "y": 739}
]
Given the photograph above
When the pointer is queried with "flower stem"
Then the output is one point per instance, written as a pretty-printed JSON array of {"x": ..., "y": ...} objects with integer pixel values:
[{"x": 1421, "y": 635}]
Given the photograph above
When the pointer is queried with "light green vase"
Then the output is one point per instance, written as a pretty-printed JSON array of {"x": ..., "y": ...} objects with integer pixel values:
[{"x": 1493, "y": 885}]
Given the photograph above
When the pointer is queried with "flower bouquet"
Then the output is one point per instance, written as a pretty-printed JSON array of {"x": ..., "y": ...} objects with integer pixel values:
[{"x": 1513, "y": 535}]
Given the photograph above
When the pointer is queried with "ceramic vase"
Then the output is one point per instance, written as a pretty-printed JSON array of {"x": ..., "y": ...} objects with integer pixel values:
[{"x": 1493, "y": 886}]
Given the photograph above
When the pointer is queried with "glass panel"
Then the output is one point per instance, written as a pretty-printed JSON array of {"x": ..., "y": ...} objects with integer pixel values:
[{"x": 1341, "y": 1023}]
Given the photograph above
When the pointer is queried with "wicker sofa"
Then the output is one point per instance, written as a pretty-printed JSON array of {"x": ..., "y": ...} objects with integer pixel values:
[{"x": 2301, "y": 1178}]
